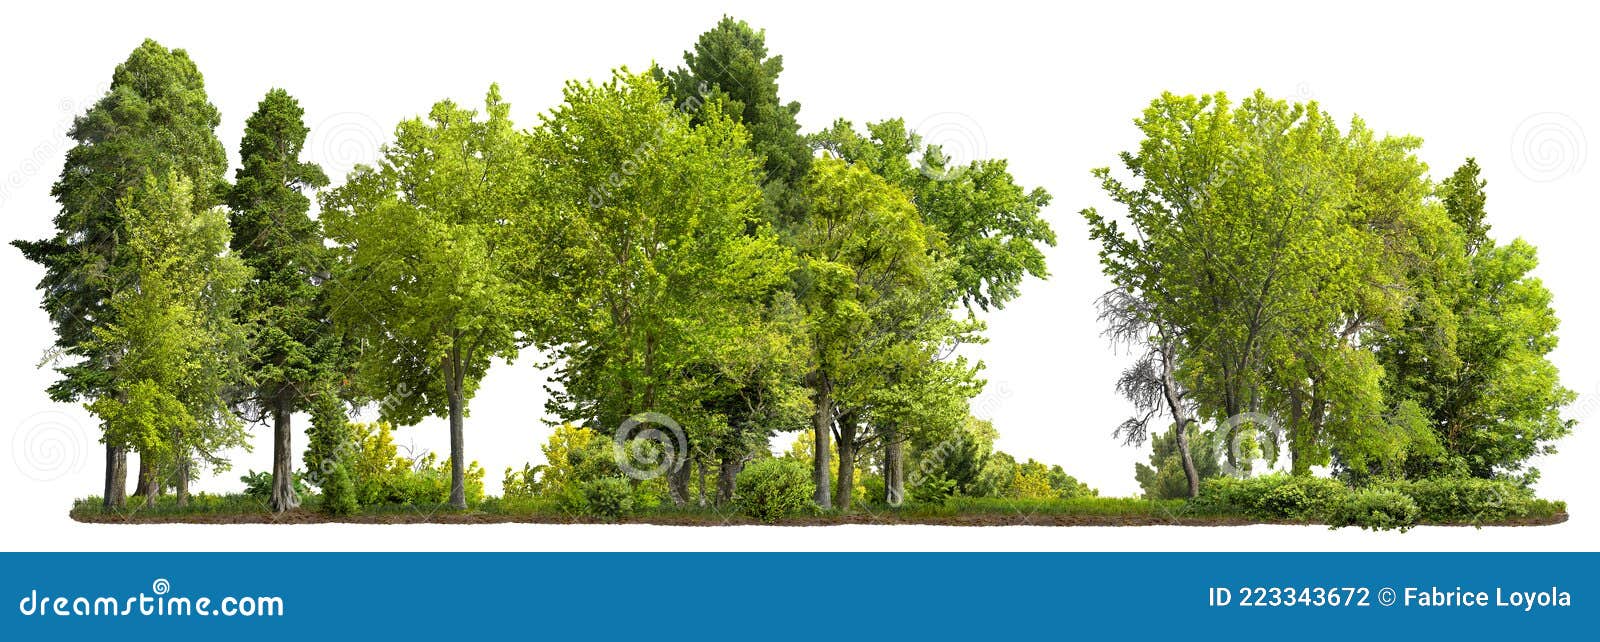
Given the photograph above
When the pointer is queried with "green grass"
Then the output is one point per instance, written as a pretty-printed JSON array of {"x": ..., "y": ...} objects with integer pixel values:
[{"x": 956, "y": 510}]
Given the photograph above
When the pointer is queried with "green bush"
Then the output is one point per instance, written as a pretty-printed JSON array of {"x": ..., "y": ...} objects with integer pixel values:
[
  {"x": 259, "y": 485},
  {"x": 1375, "y": 509},
  {"x": 771, "y": 489},
  {"x": 338, "y": 492},
  {"x": 1460, "y": 500},
  {"x": 1275, "y": 496},
  {"x": 609, "y": 498}
]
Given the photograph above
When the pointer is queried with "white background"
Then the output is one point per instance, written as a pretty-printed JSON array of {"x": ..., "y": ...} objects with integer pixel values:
[{"x": 1053, "y": 88}]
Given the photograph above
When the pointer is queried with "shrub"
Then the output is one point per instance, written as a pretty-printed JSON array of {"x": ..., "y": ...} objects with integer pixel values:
[
  {"x": 771, "y": 489},
  {"x": 259, "y": 485},
  {"x": 338, "y": 492},
  {"x": 1276, "y": 496},
  {"x": 1375, "y": 509},
  {"x": 1461, "y": 500},
  {"x": 609, "y": 498}
]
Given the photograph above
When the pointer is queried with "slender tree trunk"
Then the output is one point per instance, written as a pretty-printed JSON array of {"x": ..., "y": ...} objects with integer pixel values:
[
  {"x": 283, "y": 496},
  {"x": 894, "y": 468},
  {"x": 1174, "y": 397},
  {"x": 700, "y": 467},
  {"x": 116, "y": 491},
  {"x": 727, "y": 476},
  {"x": 458, "y": 449},
  {"x": 148, "y": 486},
  {"x": 821, "y": 429},
  {"x": 181, "y": 484},
  {"x": 847, "y": 462}
]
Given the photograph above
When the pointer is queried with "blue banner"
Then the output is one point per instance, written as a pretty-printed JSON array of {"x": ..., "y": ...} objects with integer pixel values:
[{"x": 798, "y": 595}]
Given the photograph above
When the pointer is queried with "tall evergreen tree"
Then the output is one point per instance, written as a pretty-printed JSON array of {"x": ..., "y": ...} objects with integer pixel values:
[
  {"x": 730, "y": 62},
  {"x": 155, "y": 119},
  {"x": 275, "y": 236}
]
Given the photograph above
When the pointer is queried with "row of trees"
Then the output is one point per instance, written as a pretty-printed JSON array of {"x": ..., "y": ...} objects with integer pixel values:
[
  {"x": 669, "y": 240},
  {"x": 1308, "y": 291}
]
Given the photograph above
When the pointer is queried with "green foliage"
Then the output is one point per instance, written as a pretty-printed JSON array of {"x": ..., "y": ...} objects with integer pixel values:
[
  {"x": 174, "y": 330},
  {"x": 1275, "y": 496},
  {"x": 1163, "y": 478},
  {"x": 339, "y": 492},
  {"x": 1375, "y": 509},
  {"x": 609, "y": 498},
  {"x": 259, "y": 485},
  {"x": 380, "y": 475},
  {"x": 154, "y": 122},
  {"x": 1466, "y": 500},
  {"x": 443, "y": 196},
  {"x": 774, "y": 488}
]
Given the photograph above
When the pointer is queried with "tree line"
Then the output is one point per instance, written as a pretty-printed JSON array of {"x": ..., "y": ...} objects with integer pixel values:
[
  {"x": 672, "y": 243},
  {"x": 669, "y": 240}
]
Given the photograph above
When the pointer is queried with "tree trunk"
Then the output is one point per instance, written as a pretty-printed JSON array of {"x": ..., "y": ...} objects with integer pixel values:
[
  {"x": 1174, "y": 397},
  {"x": 700, "y": 467},
  {"x": 283, "y": 496},
  {"x": 821, "y": 429},
  {"x": 727, "y": 478},
  {"x": 678, "y": 477},
  {"x": 182, "y": 481},
  {"x": 148, "y": 486},
  {"x": 847, "y": 462},
  {"x": 894, "y": 469},
  {"x": 116, "y": 491},
  {"x": 458, "y": 449}
]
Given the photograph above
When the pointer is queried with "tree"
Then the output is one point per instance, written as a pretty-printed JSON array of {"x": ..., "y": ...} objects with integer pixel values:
[
  {"x": 154, "y": 119},
  {"x": 283, "y": 246},
  {"x": 423, "y": 235},
  {"x": 1265, "y": 246},
  {"x": 991, "y": 234},
  {"x": 730, "y": 63},
  {"x": 1472, "y": 353},
  {"x": 175, "y": 335},
  {"x": 1166, "y": 476},
  {"x": 862, "y": 250},
  {"x": 670, "y": 273}
]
